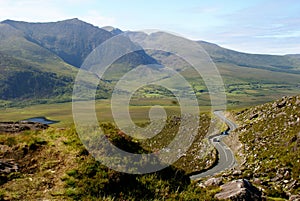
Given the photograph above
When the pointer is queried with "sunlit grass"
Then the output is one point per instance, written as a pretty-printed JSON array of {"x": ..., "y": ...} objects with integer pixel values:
[{"x": 62, "y": 112}]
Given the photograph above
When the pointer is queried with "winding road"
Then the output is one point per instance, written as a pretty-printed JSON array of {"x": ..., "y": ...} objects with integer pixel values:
[{"x": 226, "y": 156}]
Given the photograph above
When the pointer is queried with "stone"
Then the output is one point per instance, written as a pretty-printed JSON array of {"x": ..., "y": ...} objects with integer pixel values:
[
  {"x": 237, "y": 173},
  {"x": 8, "y": 167},
  {"x": 239, "y": 190},
  {"x": 282, "y": 104},
  {"x": 257, "y": 181},
  {"x": 254, "y": 116},
  {"x": 294, "y": 198},
  {"x": 213, "y": 182}
]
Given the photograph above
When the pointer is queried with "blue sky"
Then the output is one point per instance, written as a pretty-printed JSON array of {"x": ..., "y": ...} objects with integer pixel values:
[{"x": 254, "y": 26}]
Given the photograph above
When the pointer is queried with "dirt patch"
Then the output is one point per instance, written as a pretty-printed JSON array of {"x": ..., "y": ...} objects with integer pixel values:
[
  {"x": 34, "y": 165},
  {"x": 16, "y": 127}
]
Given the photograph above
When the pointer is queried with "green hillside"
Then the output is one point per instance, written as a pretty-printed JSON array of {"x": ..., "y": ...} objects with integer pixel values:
[
  {"x": 275, "y": 63},
  {"x": 249, "y": 79},
  {"x": 72, "y": 40},
  {"x": 14, "y": 43},
  {"x": 44, "y": 60},
  {"x": 269, "y": 146},
  {"x": 23, "y": 80},
  {"x": 47, "y": 56},
  {"x": 53, "y": 164},
  {"x": 254, "y": 79}
]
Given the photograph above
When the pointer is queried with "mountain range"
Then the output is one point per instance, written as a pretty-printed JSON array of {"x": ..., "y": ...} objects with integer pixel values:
[{"x": 39, "y": 62}]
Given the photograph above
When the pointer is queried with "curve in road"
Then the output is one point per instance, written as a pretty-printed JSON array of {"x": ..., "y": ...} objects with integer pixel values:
[{"x": 226, "y": 156}]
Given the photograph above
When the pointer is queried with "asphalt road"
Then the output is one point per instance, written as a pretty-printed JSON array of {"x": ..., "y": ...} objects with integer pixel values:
[
  {"x": 226, "y": 156},
  {"x": 231, "y": 125}
]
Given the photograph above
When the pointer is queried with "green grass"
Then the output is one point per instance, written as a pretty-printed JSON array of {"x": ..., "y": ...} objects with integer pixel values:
[
  {"x": 55, "y": 165},
  {"x": 63, "y": 111},
  {"x": 275, "y": 199},
  {"x": 270, "y": 137}
]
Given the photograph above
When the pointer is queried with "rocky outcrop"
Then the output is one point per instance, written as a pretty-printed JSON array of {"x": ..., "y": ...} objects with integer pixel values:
[
  {"x": 213, "y": 182},
  {"x": 294, "y": 198},
  {"x": 16, "y": 127},
  {"x": 239, "y": 190},
  {"x": 7, "y": 167},
  {"x": 270, "y": 134}
]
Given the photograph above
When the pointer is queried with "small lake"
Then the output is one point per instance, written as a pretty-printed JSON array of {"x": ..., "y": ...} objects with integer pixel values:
[{"x": 42, "y": 120}]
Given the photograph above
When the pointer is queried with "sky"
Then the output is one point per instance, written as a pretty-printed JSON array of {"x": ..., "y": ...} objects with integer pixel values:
[{"x": 252, "y": 26}]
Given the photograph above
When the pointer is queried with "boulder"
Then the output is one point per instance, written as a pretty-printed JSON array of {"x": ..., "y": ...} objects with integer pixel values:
[
  {"x": 213, "y": 182},
  {"x": 294, "y": 198},
  {"x": 239, "y": 190},
  {"x": 237, "y": 173}
]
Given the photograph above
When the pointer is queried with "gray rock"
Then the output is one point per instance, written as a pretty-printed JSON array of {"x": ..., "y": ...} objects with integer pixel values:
[
  {"x": 213, "y": 182},
  {"x": 294, "y": 198},
  {"x": 239, "y": 190},
  {"x": 8, "y": 167},
  {"x": 257, "y": 181},
  {"x": 237, "y": 173}
]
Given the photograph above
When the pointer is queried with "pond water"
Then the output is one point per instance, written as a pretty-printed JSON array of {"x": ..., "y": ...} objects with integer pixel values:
[{"x": 42, "y": 120}]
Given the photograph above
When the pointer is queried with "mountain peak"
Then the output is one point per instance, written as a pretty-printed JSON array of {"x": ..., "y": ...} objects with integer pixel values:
[
  {"x": 8, "y": 21},
  {"x": 72, "y": 21},
  {"x": 113, "y": 30}
]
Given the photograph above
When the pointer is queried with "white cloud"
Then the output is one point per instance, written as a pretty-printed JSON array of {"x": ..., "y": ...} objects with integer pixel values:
[
  {"x": 205, "y": 10},
  {"x": 48, "y": 11},
  {"x": 95, "y": 18},
  {"x": 30, "y": 10},
  {"x": 289, "y": 34},
  {"x": 265, "y": 27}
]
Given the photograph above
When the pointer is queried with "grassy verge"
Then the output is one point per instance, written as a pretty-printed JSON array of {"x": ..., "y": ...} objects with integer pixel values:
[{"x": 54, "y": 165}]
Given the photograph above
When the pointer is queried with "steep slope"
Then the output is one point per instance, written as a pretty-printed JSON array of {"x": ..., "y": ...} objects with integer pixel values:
[
  {"x": 253, "y": 78},
  {"x": 53, "y": 164},
  {"x": 13, "y": 42},
  {"x": 286, "y": 63},
  {"x": 47, "y": 54},
  {"x": 270, "y": 135},
  {"x": 248, "y": 78},
  {"x": 30, "y": 72},
  {"x": 57, "y": 47},
  {"x": 23, "y": 80},
  {"x": 268, "y": 62},
  {"x": 72, "y": 40}
]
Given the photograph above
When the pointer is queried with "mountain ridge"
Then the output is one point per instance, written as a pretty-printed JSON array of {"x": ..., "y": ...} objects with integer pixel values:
[
  {"x": 58, "y": 48},
  {"x": 49, "y": 35},
  {"x": 61, "y": 47}
]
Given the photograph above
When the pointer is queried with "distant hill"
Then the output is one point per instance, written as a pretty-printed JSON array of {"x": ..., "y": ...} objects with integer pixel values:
[
  {"x": 59, "y": 49},
  {"x": 288, "y": 64},
  {"x": 38, "y": 50},
  {"x": 248, "y": 78},
  {"x": 72, "y": 40}
]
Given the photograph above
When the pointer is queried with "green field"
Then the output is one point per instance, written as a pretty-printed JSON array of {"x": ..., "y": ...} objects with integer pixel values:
[{"x": 63, "y": 111}]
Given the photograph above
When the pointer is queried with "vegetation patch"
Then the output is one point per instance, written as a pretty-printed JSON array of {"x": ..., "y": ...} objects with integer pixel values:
[
  {"x": 270, "y": 135},
  {"x": 53, "y": 164}
]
